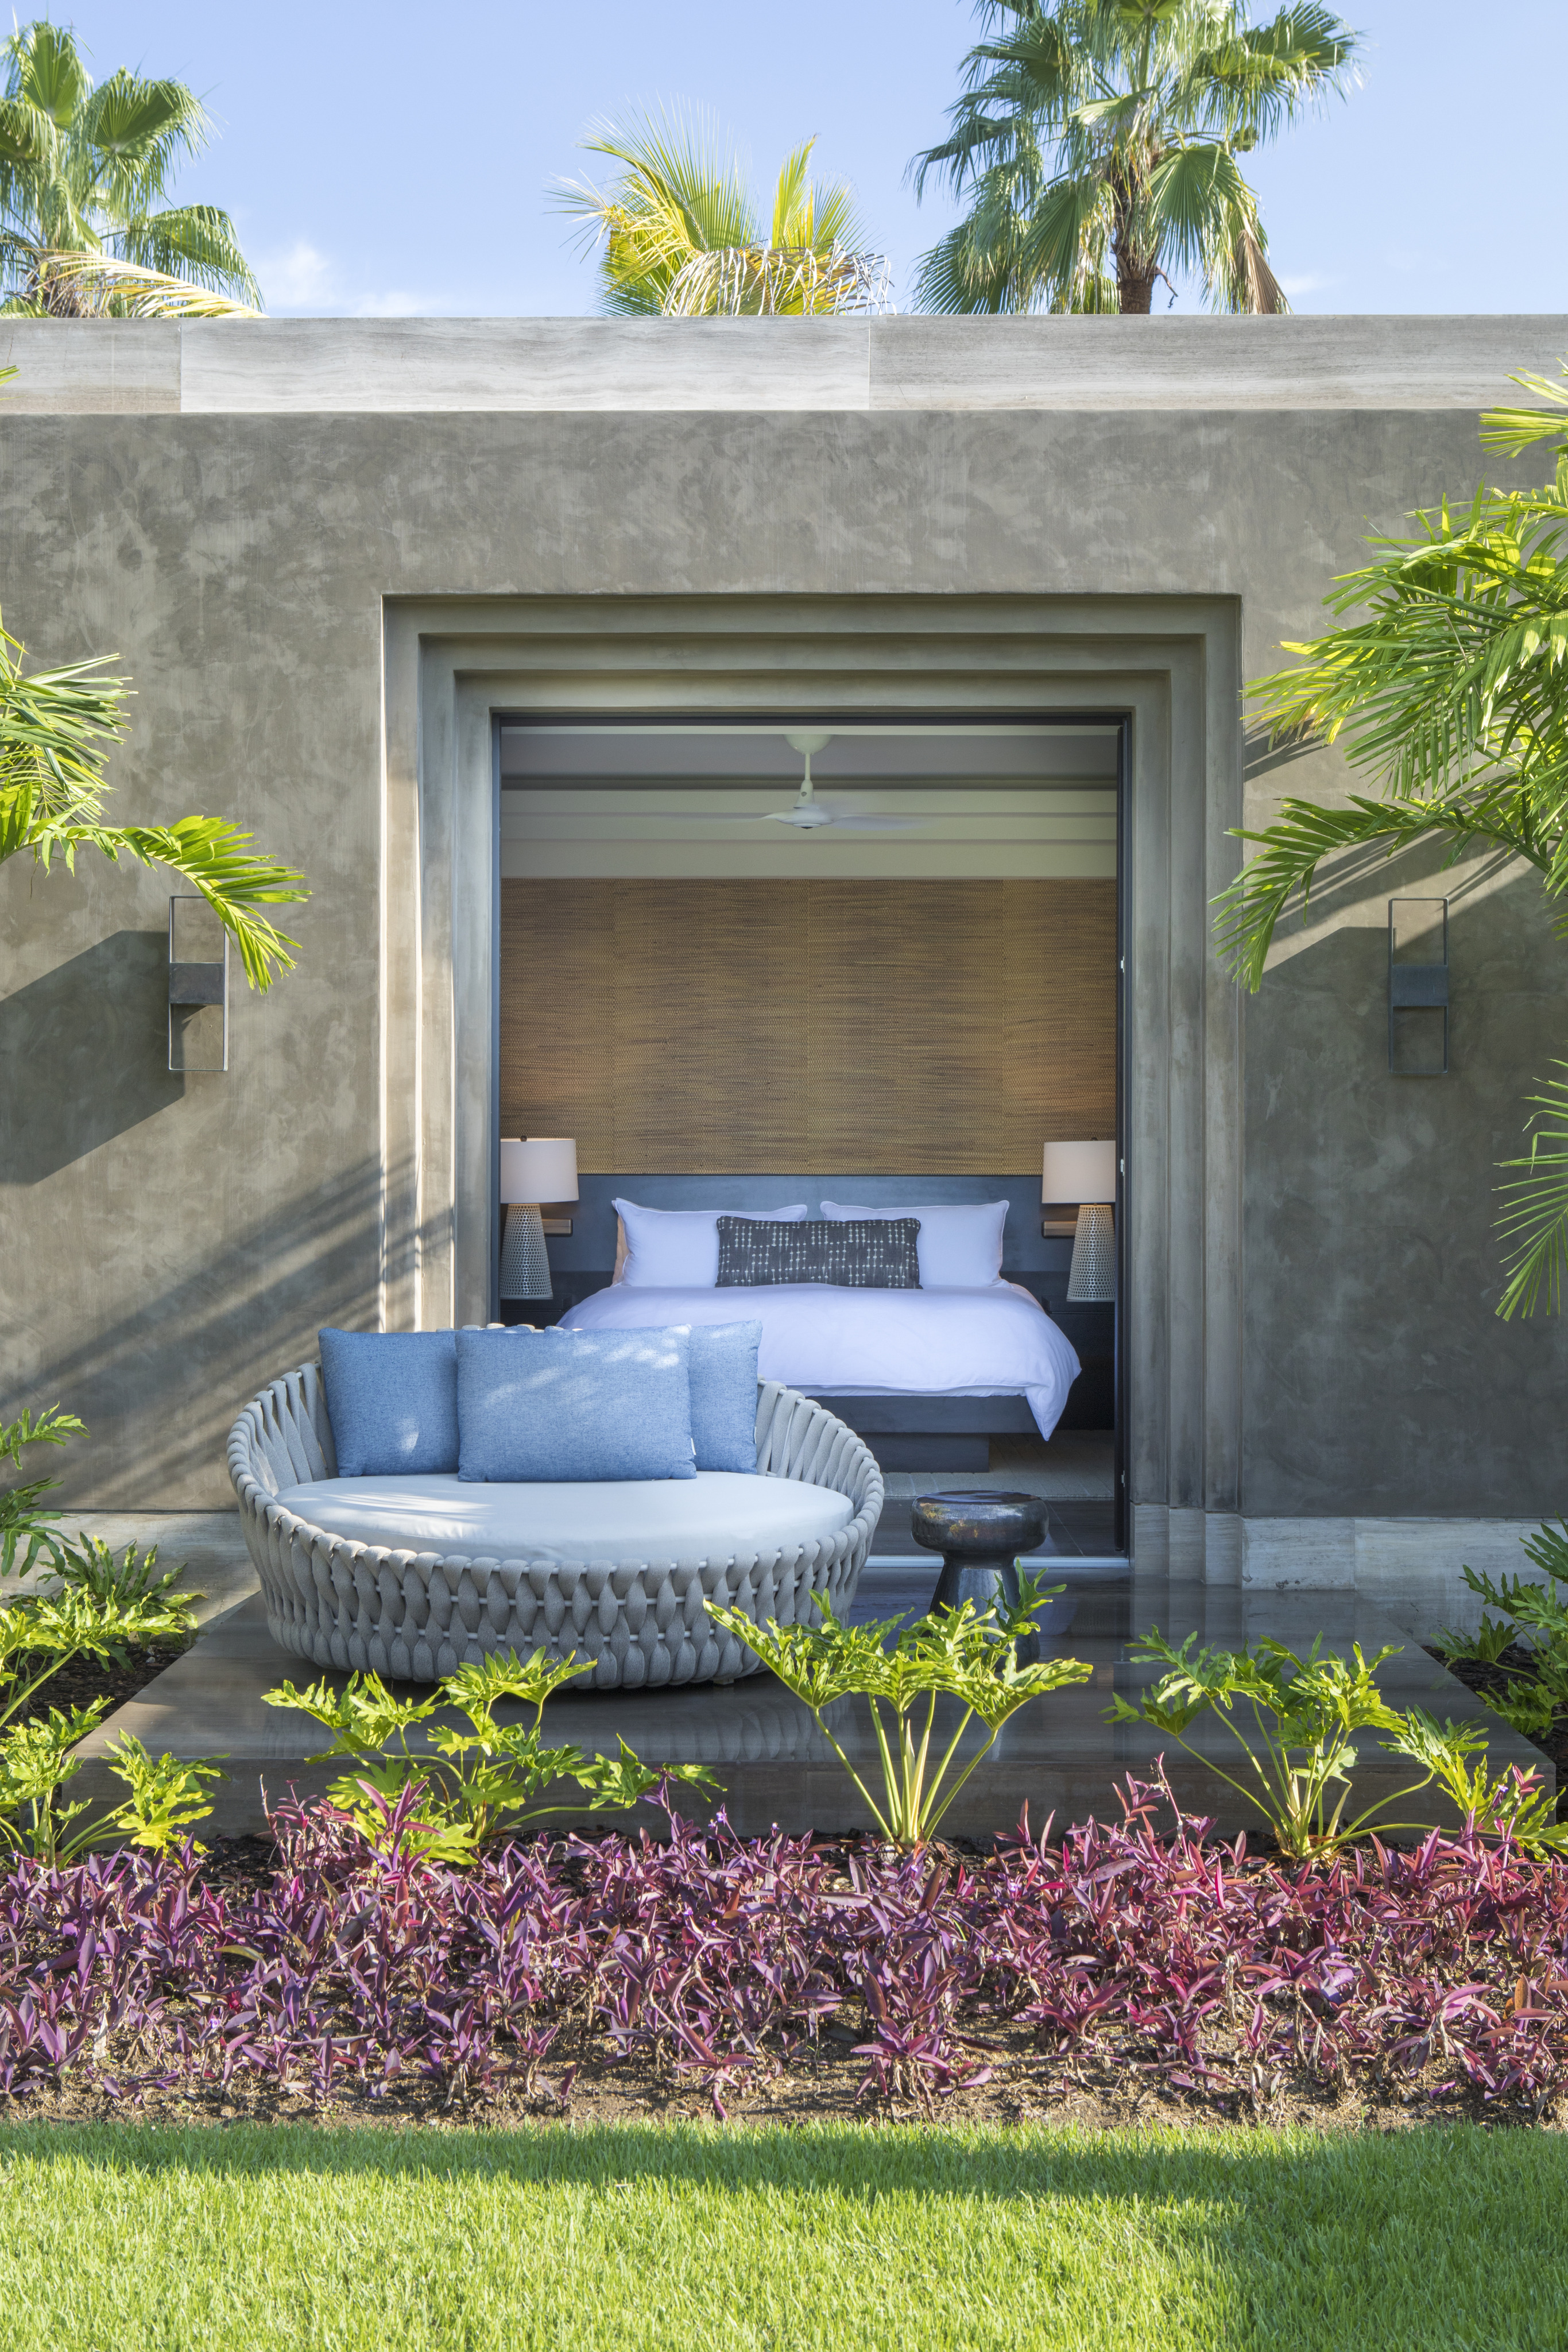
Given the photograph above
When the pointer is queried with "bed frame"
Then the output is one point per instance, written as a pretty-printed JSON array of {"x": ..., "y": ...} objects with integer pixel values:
[
  {"x": 904, "y": 1432},
  {"x": 908, "y": 1432}
]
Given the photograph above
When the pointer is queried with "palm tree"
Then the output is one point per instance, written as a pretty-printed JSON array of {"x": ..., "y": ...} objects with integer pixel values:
[
  {"x": 1451, "y": 686},
  {"x": 85, "y": 226},
  {"x": 1098, "y": 140},
  {"x": 56, "y": 730},
  {"x": 680, "y": 237}
]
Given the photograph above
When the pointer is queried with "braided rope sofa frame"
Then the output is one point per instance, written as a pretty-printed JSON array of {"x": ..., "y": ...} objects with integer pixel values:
[{"x": 416, "y": 1615}]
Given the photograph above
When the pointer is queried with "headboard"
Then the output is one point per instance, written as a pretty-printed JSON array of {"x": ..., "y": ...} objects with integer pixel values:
[{"x": 590, "y": 1247}]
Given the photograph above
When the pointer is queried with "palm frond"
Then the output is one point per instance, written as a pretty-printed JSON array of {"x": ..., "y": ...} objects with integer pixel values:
[
  {"x": 976, "y": 269},
  {"x": 1066, "y": 242},
  {"x": 56, "y": 730},
  {"x": 195, "y": 243},
  {"x": 793, "y": 208},
  {"x": 137, "y": 133},
  {"x": 1534, "y": 1223},
  {"x": 27, "y": 133},
  {"x": 213, "y": 855},
  {"x": 678, "y": 237},
  {"x": 1155, "y": 99},
  {"x": 87, "y": 170},
  {"x": 1250, "y": 287},
  {"x": 1261, "y": 77},
  {"x": 121, "y": 290},
  {"x": 761, "y": 280},
  {"x": 1460, "y": 661},
  {"x": 1279, "y": 878},
  {"x": 678, "y": 194},
  {"x": 1508, "y": 431},
  {"x": 46, "y": 69}
]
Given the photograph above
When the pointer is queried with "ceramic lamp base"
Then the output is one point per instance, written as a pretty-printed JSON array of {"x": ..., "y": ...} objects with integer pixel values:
[
  {"x": 1093, "y": 1274},
  {"x": 525, "y": 1264}
]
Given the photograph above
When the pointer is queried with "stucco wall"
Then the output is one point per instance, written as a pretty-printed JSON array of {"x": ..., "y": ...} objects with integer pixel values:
[{"x": 167, "y": 1245}]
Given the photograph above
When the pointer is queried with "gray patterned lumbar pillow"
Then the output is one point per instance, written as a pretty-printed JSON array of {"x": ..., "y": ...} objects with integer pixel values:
[{"x": 863, "y": 1254}]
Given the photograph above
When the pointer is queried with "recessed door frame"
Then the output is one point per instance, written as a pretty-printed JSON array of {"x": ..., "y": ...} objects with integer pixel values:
[{"x": 1169, "y": 667}]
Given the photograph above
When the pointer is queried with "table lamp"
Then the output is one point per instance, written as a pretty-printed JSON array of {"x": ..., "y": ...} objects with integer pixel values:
[
  {"x": 544, "y": 1168},
  {"x": 1086, "y": 1173}
]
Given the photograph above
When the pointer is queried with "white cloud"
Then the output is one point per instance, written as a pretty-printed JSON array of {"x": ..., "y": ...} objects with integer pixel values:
[
  {"x": 394, "y": 305},
  {"x": 298, "y": 279}
]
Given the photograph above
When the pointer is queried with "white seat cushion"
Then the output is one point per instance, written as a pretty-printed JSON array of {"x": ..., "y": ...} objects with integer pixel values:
[{"x": 711, "y": 1516}]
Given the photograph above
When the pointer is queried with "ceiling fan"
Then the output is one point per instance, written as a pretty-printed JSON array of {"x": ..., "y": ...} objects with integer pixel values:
[{"x": 806, "y": 812}]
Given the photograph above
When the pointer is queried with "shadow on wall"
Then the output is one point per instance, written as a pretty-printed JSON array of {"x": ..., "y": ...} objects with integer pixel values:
[
  {"x": 1366, "y": 877},
  {"x": 159, "y": 1387},
  {"x": 82, "y": 1047},
  {"x": 1380, "y": 1380}
]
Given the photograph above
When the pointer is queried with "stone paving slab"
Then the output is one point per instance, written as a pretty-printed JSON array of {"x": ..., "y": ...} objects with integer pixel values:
[{"x": 1059, "y": 1755}]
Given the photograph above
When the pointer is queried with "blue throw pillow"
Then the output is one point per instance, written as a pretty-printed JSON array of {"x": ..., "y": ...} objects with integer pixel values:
[
  {"x": 722, "y": 1362},
  {"x": 391, "y": 1398},
  {"x": 534, "y": 1405}
]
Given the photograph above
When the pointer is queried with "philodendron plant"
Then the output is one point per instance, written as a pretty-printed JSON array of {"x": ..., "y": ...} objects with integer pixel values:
[
  {"x": 1297, "y": 1758},
  {"x": 39, "y": 1633},
  {"x": 968, "y": 1654},
  {"x": 473, "y": 1786}
]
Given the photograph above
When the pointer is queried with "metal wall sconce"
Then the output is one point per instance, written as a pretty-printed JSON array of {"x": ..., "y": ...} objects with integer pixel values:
[
  {"x": 1418, "y": 988},
  {"x": 198, "y": 987}
]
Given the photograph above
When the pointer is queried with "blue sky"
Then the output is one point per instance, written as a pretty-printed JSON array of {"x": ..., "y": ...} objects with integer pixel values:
[{"x": 382, "y": 159}]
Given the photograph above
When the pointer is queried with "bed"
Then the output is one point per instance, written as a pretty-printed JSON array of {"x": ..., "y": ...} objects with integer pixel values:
[{"x": 988, "y": 1347}]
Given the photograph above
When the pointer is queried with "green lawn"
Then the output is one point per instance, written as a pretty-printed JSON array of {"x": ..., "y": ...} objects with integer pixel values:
[{"x": 642, "y": 2238}]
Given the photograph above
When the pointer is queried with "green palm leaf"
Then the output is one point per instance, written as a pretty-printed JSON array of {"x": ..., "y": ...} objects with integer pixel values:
[
  {"x": 194, "y": 242},
  {"x": 1449, "y": 685},
  {"x": 47, "y": 70},
  {"x": 87, "y": 170},
  {"x": 1148, "y": 106},
  {"x": 1533, "y": 1223},
  {"x": 121, "y": 290},
  {"x": 56, "y": 730},
  {"x": 677, "y": 234}
]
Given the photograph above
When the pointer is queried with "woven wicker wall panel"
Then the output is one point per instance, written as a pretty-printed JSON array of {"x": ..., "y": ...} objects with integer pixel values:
[{"x": 736, "y": 1028}]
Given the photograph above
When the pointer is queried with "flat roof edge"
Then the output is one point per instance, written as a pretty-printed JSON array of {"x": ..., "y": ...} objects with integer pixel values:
[{"x": 873, "y": 365}]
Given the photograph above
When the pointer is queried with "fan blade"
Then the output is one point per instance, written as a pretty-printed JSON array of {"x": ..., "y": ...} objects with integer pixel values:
[{"x": 878, "y": 823}]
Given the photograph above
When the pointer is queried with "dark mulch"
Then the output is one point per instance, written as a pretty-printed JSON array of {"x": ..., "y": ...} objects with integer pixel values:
[
  {"x": 81, "y": 1680},
  {"x": 1488, "y": 1681}
]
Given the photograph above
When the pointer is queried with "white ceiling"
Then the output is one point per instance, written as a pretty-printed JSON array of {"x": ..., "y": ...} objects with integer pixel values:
[
  {"x": 873, "y": 755},
  {"x": 1024, "y": 801}
]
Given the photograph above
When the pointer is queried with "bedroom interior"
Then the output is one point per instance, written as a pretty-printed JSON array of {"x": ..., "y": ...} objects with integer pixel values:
[{"x": 814, "y": 965}]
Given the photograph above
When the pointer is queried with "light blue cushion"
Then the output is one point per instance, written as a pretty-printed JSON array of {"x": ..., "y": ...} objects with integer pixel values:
[
  {"x": 391, "y": 1398},
  {"x": 722, "y": 1364},
  {"x": 564, "y": 1405},
  {"x": 714, "y": 1515}
]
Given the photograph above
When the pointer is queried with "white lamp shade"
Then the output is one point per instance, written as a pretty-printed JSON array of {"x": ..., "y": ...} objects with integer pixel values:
[
  {"x": 544, "y": 1168},
  {"x": 1079, "y": 1171}
]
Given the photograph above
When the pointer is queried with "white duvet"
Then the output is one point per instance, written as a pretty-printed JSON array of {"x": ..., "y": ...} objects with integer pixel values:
[{"x": 833, "y": 1342}]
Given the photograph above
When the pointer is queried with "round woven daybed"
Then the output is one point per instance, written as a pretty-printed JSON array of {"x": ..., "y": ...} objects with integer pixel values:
[{"x": 413, "y": 1614}]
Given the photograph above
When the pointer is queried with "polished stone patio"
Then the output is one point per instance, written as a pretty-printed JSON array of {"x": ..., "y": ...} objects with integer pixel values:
[{"x": 1059, "y": 1754}]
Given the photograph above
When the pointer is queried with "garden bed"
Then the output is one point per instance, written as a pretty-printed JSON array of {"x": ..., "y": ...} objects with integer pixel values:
[
  {"x": 1493, "y": 1681},
  {"x": 1120, "y": 1977},
  {"x": 81, "y": 1680}
]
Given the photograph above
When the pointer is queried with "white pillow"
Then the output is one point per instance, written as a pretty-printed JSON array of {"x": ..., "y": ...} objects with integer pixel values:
[
  {"x": 678, "y": 1249},
  {"x": 959, "y": 1247}
]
